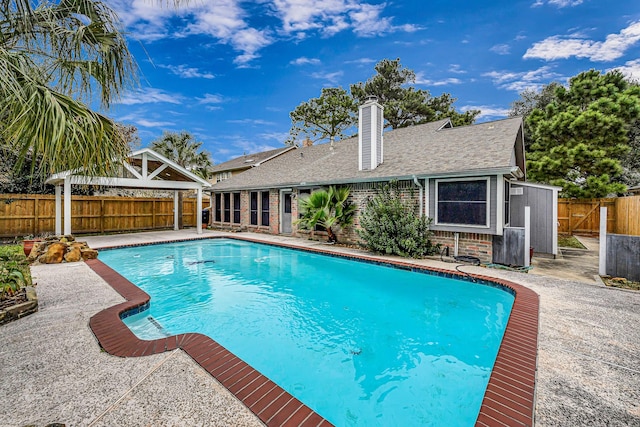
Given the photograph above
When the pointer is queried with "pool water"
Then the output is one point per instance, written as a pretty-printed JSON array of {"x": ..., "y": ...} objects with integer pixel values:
[{"x": 359, "y": 343}]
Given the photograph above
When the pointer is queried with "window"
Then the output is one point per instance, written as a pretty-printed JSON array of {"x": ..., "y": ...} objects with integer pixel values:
[
  {"x": 463, "y": 202},
  {"x": 218, "y": 208},
  {"x": 227, "y": 207},
  {"x": 265, "y": 208},
  {"x": 236, "y": 208},
  {"x": 507, "y": 195},
  {"x": 254, "y": 208},
  {"x": 222, "y": 176}
]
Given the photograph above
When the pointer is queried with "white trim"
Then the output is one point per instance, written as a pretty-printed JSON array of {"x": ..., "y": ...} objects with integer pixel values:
[
  {"x": 131, "y": 169},
  {"x": 527, "y": 236},
  {"x": 58, "y": 210},
  {"x": 67, "y": 207},
  {"x": 134, "y": 183},
  {"x": 488, "y": 202},
  {"x": 199, "y": 211},
  {"x": 554, "y": 227},
  {"x": 536, "y": 185},
  {"x": 499, "y": 205},
  {"x": 175, "y": 210},
  {"x": 426, "y": 198},
  {"x": 602, "y": 258},
  {"x": 157, "y": 171},
  {"x": 360, "y": 142}
]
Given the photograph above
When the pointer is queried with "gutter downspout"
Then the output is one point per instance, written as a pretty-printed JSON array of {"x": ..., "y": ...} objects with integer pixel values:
[{"x": 416, "y": 182}]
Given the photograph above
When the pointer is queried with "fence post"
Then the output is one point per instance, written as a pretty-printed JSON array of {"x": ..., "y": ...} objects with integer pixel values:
[
  {"x": 527, "y": 236},
  {"x": 602, "y": 267}
]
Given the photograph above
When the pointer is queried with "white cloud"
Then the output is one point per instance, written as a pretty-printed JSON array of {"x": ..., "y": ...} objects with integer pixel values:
[
  {"x": 254, "y": 122},
  {"x": 455, "y": 68},
  {"x": 332, "y": 16},
  {"x": 612, "y": 48},
  {"x": 519, "y": 81},
  {"x": 631, "y": 69},
  {"x": 421, "y": 80},
  {"x": 187, "y": 72},
  {"x": 304, "y": 61},
  {"x": 361, "y": 61},
  {"x": 486, "y": 111},
  {"x": 558, "y": 3},
  {"x": 210, "y": 98},
  {"x": 330, "y": 77},
  {"x": 149, "y": 96},
  {"x": 152, "y": 124},
  {"x": 501, "y": 49},
  {"x": 276, "y": 136},
  {"x": 227, "y": 21}
]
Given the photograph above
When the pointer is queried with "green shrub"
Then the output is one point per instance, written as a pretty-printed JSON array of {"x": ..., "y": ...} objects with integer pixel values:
[
  {"x": 14, "y": 270},
  {"x": 390, "y": 225}
]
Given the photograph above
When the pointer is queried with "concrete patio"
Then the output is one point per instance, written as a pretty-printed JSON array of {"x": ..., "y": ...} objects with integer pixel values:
[{"x": 53, "y": 370}]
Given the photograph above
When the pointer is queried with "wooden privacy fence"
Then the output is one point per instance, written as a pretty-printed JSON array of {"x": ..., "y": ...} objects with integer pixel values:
[
  {"x": 582, "y": 216},
  {"x": 24, "y": 214}
]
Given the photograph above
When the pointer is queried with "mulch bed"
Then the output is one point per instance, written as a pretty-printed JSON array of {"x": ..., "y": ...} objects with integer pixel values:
[
  {"x": 620, "y": 282},
  {"x": 18, "y": 298}
]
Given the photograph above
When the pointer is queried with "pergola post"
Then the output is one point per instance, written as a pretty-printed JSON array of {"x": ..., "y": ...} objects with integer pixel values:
[
  {"x": 58, "y": 210},
  {"x": 175, "y": 210},
  {"x": 199, "y": 211},
  {"x": 67, "y": 206}
]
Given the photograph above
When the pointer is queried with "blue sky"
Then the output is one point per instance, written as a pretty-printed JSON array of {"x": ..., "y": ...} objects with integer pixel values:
[{"x": 230, "y": 71}]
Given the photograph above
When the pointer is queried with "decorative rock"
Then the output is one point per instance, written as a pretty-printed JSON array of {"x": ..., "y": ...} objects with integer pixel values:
[
  {"x": 89, "y": 254},
  {"x": 36, "y": 251},
  {"x": 55, "y": 253},
  {"x": 73, "y": 255}
]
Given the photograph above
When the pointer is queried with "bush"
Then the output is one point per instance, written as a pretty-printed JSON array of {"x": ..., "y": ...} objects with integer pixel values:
[
  {"x": 14, "y": 270},
  {"x": 390, "y": 225}
]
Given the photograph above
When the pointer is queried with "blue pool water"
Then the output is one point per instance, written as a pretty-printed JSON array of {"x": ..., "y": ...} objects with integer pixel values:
[{"x": 359, "y": 343}]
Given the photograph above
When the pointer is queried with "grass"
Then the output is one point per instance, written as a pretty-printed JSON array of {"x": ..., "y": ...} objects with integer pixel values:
[{"x": 567, "y": 241}]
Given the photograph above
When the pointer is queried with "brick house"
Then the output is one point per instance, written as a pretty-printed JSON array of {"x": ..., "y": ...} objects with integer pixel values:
[{"x": 459, "y": 176}]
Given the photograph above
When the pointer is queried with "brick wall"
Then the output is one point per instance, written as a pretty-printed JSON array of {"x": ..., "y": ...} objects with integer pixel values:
[{"x": 474, "y": 244}]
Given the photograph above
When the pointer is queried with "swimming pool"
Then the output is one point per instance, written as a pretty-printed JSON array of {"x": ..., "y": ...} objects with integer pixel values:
[{"x": 376, "y": 346}]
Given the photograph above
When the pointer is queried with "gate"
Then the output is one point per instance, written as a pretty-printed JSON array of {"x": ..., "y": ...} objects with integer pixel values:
[{"x": 582, "y": 216}]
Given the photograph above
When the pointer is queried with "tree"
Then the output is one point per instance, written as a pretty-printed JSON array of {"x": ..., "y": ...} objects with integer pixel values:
[
  {"x": 327, "y": 208},
  {"x": 326, "y": 117},
  {"x": 530, "y": 100},
  {"x": 581, "y": 136},
  {"x": 130, "y": 135},
  {"x": 390, "y": 226},
  {"x": 406, "y": 106},
  {"x": 53, "y": 56},
  {"x": 183, "y": 149}
]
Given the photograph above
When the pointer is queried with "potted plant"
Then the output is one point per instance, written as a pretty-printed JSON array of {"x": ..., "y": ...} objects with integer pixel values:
[{"x": 27, "y": 243}]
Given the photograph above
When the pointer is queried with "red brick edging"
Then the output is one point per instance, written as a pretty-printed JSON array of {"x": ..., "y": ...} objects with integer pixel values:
[{"x": 508, "y": 400}]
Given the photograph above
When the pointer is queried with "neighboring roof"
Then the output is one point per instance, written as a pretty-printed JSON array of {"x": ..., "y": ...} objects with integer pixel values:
[
  {"x": 249, "y": 160},
  {"x": 422, "y": 150},
  {"x": 145, "y": 169}
]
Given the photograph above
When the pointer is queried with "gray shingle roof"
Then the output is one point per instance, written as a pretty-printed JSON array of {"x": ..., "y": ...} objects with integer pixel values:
[
  {"x": 417, "y": 150},
  {"x": 247, "y": 160}
]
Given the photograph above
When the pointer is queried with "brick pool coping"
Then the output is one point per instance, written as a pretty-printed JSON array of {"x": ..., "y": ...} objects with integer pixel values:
[{"x": 508, "y": 401}]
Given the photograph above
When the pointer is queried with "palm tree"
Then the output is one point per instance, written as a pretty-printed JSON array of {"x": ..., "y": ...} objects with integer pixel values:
[
  {"x": 183, "y": 149},
  {"x": 53, "y": 56},
  {"x": 327, "y": 208}
]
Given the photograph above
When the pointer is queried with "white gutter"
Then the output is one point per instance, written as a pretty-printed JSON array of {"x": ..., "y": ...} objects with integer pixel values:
[{"x": 416, "y": 182}]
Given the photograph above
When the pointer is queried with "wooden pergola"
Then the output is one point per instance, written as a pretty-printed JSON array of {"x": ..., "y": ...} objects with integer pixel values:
[{"x": 141, "y": 169}]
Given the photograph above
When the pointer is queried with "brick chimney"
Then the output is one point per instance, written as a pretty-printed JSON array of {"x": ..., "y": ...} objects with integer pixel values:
[
  {"x": 307, "y": 142},
  {"x": 370, "y": 125}
]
